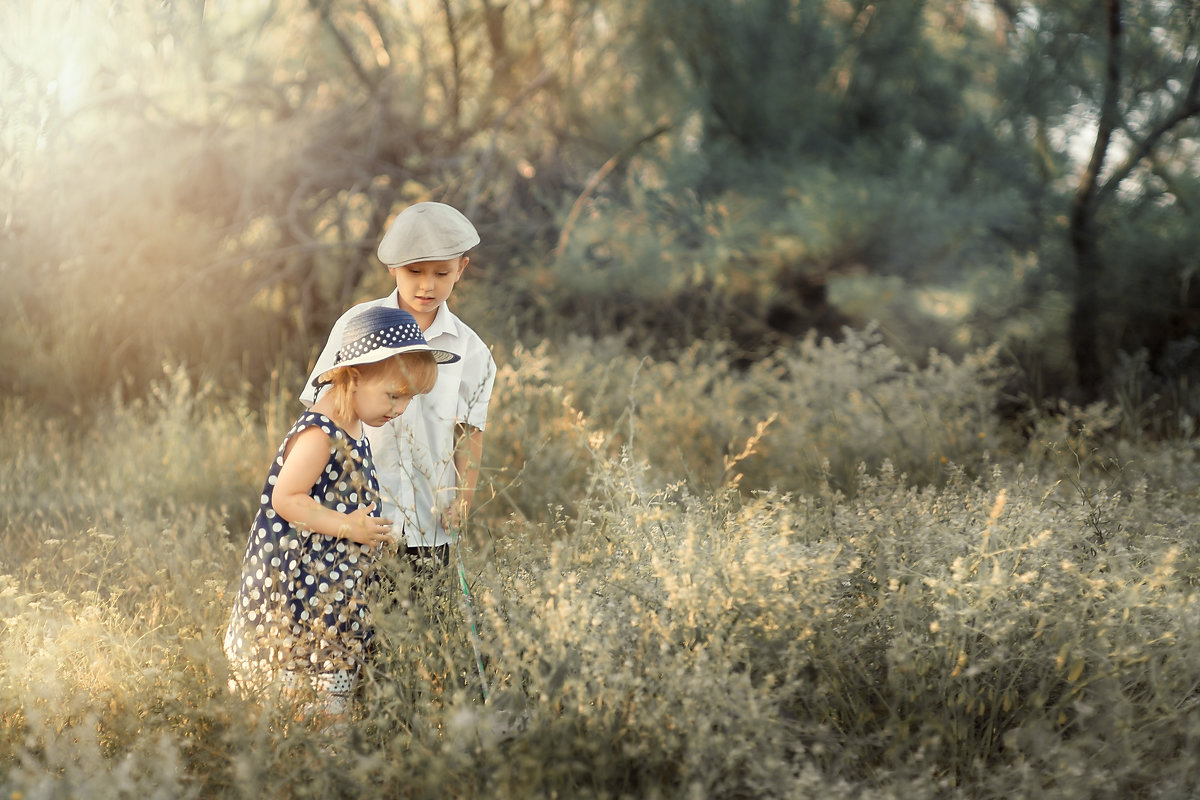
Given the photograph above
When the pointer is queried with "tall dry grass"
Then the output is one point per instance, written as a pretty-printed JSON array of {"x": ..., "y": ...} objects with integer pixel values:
[{"x": 812, "y": 578}]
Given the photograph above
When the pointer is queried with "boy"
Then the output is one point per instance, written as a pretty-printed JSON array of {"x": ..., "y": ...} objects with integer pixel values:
[{"x": 427, "y": 460}]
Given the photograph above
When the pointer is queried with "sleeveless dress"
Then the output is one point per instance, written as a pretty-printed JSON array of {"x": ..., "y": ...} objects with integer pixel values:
[{"x": 302, "y": 609}]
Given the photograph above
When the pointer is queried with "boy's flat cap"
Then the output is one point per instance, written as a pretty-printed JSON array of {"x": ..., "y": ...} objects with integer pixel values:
[{"x": 427, "y": 232}]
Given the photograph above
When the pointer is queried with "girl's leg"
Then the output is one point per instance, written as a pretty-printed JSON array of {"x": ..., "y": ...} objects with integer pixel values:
[
  {"x": 324, "y": 697},
  {"x": 334, "y": 691}
]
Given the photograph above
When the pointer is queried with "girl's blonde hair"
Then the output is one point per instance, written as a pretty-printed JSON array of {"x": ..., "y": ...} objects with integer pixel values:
[{"x": 415, "y": 373}]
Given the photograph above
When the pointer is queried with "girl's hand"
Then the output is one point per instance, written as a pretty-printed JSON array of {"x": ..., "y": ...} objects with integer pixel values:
[{"x": 366, "y": 530}]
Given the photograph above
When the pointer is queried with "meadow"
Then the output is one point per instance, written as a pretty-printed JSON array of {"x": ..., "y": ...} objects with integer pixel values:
[
  {"x": 834, "y": 572},
  {"x": 844, "y": 441}
]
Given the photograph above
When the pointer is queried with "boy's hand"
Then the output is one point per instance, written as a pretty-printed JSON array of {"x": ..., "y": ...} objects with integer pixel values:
[
  {"x": 454, "y": 518},
  {"x": 365, "y": 529}
]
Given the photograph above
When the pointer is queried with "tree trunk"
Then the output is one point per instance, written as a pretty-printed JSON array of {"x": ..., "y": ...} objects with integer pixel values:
[
  {"x": 1089, "y": 264},
  {"x": 1085, "y": 309}
]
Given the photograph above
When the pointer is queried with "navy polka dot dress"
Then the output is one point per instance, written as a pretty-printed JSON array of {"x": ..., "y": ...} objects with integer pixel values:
[{"x": 302, "y": 605}]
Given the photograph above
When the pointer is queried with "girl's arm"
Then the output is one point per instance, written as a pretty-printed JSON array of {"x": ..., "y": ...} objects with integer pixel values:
[{"x": 303, "y": 462}]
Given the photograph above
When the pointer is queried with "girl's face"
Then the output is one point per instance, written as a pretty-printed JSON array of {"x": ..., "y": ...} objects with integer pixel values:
[
  {"x": 424, "y": 286},
  {"x": 379, "y": 398}
]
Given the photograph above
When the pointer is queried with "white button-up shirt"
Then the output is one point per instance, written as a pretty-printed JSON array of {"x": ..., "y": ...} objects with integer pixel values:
[{"x": 414, "y": 453}]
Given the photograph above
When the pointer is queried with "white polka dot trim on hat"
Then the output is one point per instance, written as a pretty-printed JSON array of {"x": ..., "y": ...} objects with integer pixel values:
[
  {"x": 395, "y": 336},
  {"x": 379, "y": 332}
]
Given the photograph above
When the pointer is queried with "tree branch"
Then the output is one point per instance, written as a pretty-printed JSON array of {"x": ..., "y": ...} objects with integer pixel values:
[
  {"x": 1189, "y": 106},
  {"x": 482, "y": 173},
  {"x": 1088, "y": 261},
  {"x": 343, "y": 43},
  {"x": 1090, "y": 180},
  {"x": 597, "y": 177},
  {"x": 456, "y": 64},
  {"x": 373, "y": 14},
  {"x": 493, "y": 18}
]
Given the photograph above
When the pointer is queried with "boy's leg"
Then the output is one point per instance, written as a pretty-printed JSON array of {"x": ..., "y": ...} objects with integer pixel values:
[
  {"x": 393, "y": 582},
  {"x": 426, "y": 561}
]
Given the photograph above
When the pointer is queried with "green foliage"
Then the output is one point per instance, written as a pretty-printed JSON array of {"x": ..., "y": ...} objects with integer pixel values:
[
  {"x": 760, "y": 70},
  {"x": 812, "y": 248},
  {"x": 777, "y": 79},
  {"x": 206, "y": 186}
]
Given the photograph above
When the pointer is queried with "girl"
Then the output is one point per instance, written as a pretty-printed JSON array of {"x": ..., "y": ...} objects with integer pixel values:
[{"x": 301, "y": 614}]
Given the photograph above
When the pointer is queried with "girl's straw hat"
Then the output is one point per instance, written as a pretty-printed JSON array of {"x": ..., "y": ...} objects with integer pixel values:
[{"x": 378, "y": 333}]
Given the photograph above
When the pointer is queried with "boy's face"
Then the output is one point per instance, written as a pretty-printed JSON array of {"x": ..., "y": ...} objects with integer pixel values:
[{"x": 423, "y": 286}]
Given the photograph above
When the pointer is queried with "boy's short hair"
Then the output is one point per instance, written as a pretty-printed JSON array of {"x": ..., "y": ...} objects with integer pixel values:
[{"x": 427, "y": 231}]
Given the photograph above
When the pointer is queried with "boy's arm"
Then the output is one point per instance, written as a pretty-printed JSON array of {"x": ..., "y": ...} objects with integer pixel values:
[{"x": 468, "y": 454}]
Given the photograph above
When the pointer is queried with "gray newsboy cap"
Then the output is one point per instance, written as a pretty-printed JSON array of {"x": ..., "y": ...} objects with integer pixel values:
[{"x": 427, "y": 232}]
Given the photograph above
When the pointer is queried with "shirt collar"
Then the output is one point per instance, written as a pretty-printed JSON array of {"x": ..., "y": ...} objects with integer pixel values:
[{"x": 443, "y": 322}]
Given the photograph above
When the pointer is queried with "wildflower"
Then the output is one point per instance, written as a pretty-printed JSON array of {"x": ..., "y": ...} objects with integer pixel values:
[{"x": 959, "y": 664}]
